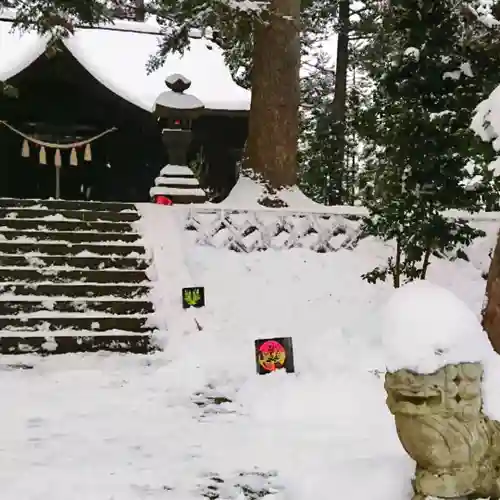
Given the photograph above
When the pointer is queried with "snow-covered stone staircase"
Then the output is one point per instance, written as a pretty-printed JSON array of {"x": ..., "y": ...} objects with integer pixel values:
[{"x": 72, "y": 278}]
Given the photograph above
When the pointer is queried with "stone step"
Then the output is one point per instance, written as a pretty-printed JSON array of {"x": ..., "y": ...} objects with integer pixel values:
[
  {"x": 41, "y": 260},
  {"x": 27, "y": 274},
  {"x": 87, "y": 290},
  {"x": 47, "y": 306},
  {"x": 51, "y": 248},
  {"x": 109, "y": 206},
  {"x": 186, "y": 199},
  {"x": 77, "y": 215},
  {"x": 64, "y": 225},
  {"x": 73, "y": 321},
  {"x": 64, "y": 343},
  {"x": 71, "y": 237},
  {"x": 72, "y": 278}
]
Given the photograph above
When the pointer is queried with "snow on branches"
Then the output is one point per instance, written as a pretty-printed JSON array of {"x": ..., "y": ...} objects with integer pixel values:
[
  {"x": 254, "y": 6},
  {"x": 482, "y": 12}
]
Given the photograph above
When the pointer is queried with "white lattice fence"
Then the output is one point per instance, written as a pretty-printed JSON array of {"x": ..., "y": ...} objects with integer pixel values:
[
  {"x": 283, "y": 229},
  {"x": 252, "y": 230}
]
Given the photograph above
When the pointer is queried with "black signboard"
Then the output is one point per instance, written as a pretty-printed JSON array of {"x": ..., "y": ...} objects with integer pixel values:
[{"x": 193, "y": 297}]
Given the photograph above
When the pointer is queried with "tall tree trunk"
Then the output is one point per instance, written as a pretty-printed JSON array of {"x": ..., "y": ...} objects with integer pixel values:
[
  {"x": 396, "y": 277},
  {"x": 491, "y": 310},
  {"x": 140, "y": 11},
  {"x": 274, "y": 121},
  {"x": 338, "y": 126}
]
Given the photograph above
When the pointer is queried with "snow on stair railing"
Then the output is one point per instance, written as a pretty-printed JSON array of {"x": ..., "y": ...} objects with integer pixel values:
[{"x": 328, "y": 230}]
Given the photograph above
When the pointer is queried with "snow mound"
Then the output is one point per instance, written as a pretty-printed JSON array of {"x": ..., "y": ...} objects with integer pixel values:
[
  {"x": 424, "y": 327},
  {"x": 295, "y": 198},
  {"x": 246, "y": 193}
]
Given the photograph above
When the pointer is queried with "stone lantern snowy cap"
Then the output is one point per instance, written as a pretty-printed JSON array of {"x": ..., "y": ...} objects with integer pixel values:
[
  {"x": 178, "y": 83},
  {"x": 174, "y": 102}
]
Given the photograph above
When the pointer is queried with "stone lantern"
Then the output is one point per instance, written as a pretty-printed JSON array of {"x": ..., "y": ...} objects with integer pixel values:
[{"x": 176, "y": 111}]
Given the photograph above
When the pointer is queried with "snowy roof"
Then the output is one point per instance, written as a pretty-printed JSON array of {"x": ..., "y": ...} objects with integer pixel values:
[
  {"x": 18, "y": 50},
  {"x": 117, "y": 57}
]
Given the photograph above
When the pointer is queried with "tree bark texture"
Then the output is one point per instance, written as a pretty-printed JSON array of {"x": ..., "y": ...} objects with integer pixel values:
[
  {"x": 339, "y": 126},
  {"x": 491, "y": 310},
  {"x": 274, "y": 121},
  {"x": 140, "y": 11}
]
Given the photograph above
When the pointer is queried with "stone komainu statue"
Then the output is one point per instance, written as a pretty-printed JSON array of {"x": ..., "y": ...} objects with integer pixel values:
[{"x": 440, "y": 424}]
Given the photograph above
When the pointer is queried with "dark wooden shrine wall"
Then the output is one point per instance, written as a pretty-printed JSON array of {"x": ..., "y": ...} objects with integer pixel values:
[{"x": 221, "y": 140}]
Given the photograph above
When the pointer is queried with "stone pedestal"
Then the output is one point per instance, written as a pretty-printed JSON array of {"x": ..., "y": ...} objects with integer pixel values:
[
  {"x": 179, "y": 184},
  {"x": 177, "y": 143}
]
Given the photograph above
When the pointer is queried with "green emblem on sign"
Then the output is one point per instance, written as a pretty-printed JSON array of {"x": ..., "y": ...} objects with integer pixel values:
[{"x": 193, "y": 297}]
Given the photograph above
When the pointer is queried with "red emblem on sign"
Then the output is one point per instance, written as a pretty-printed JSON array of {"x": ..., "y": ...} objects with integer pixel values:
[{"x": 271, "y": 356}]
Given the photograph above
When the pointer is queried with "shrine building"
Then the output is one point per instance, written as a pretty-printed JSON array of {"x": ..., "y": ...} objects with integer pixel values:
[{"x": 77, "y": 121}]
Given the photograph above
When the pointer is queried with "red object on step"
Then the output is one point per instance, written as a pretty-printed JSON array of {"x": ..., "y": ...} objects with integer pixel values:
[{"x": 163, "y": 200}]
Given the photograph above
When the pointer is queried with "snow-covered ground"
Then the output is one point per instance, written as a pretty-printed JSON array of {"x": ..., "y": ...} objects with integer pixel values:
[{"x": 109, "y": 427}]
